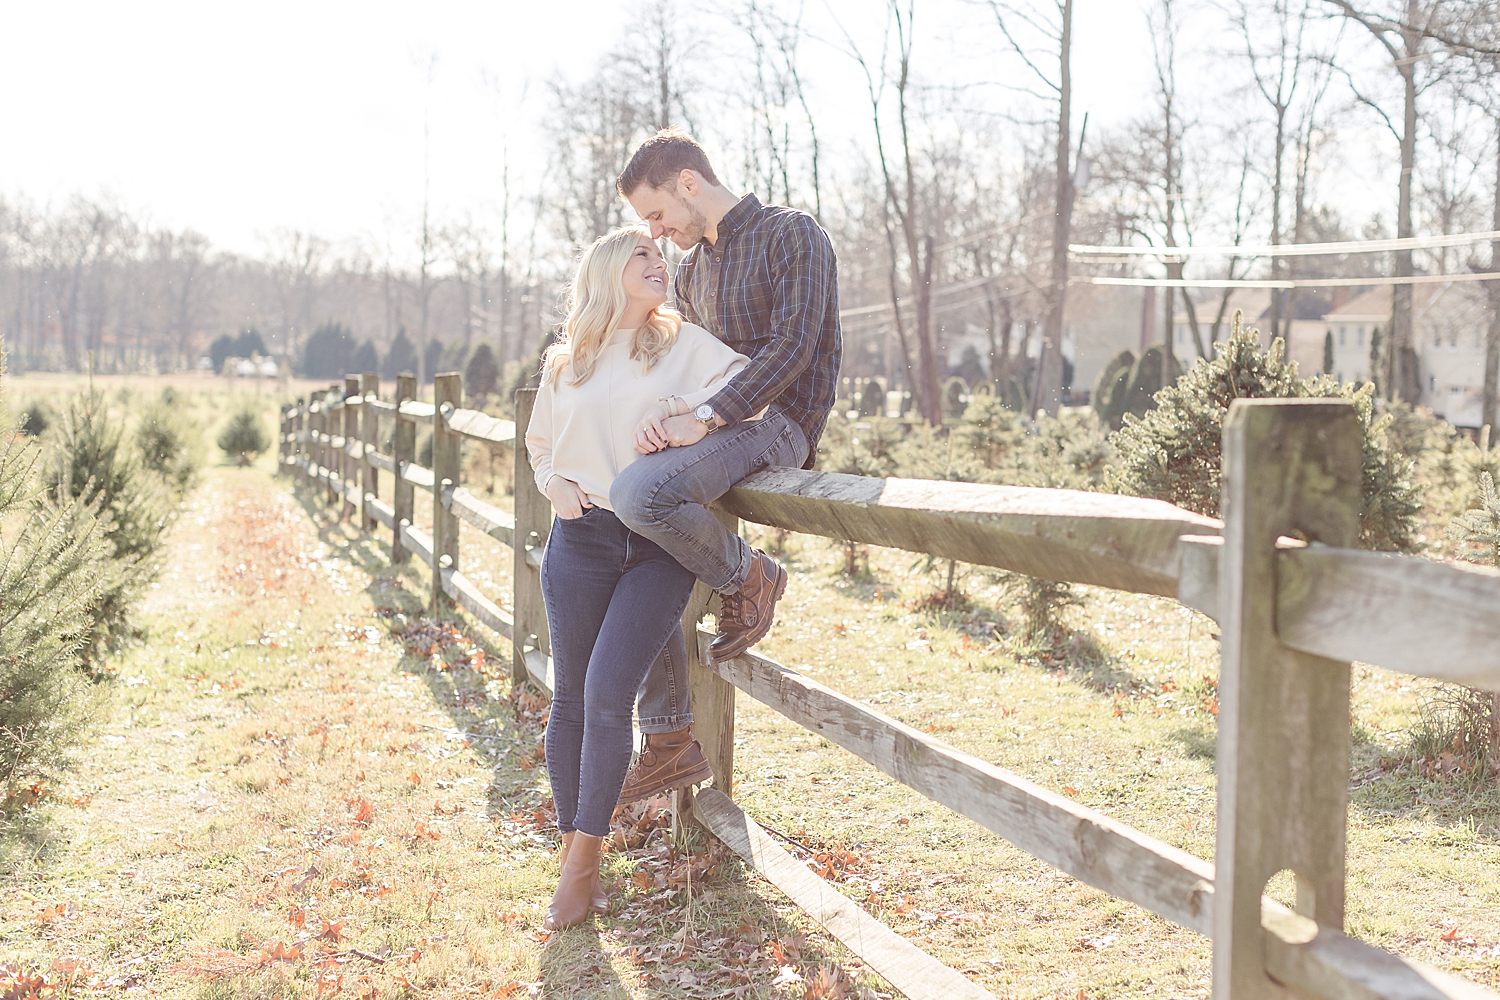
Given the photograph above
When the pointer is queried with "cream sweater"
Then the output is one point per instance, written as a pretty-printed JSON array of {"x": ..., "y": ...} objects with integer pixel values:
[{"x": 586, "y": 432}]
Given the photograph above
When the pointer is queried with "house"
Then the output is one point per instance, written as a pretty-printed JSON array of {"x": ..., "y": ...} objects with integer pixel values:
[{"x": 1448, "y": 326}]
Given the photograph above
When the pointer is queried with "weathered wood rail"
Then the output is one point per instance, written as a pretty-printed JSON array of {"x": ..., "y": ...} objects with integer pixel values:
[{"x": 1292, "y": 615}]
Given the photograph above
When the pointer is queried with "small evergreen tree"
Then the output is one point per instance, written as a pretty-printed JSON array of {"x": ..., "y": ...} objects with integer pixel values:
[
  {"x": 54, "y": 564},
  {"x": 401, "y": 358},
  {"x": 328, "y": 351},
  {"x": 1328, "y": 362},
  {"x": 250, "y": 344},
  {"x": 35, "y": 419},
  {"x": 363, "y": 359},
  {"x": 89, "y": 464},
  {"x": 482, "y": 373},
  {"x": 1108, "y": 399},
  {"x": 1173, "y": 452},
  {"x": 244, "y": 437},
  {"x": 433, "y": 358},
  {"x": 169, "y": 445}
]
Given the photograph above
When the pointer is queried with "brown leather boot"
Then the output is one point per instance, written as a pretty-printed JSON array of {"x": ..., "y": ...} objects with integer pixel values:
[
  {"x": 666, "y": 761},
  {"x": 600, "y": 899},
  {"x": 745, "y": 616},
  {"x": 573, "y": 901}
]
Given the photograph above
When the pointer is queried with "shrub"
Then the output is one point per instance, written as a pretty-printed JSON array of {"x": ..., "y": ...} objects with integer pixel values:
[
  {"x": 1173, "y": 452},
  {"x": 244, "y": 436},
  {"x": 88, "y": 463},
  {"x": 169, "y": 445}
]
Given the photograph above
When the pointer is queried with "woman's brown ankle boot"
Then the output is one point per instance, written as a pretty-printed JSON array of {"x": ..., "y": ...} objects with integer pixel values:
[
  {"x": 600, "y": 900},
  {"x": 574, "y": 898}
]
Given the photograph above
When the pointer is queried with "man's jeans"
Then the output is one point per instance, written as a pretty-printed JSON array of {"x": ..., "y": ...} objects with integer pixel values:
[
  {"x": 662, "y": 496},
  {"x": 613, "y": 599}
]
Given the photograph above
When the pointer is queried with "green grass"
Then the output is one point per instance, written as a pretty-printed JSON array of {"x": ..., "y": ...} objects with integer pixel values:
[{"x": 225, "y": 771}]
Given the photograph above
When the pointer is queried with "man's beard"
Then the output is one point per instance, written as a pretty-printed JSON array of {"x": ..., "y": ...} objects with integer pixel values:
[{"x": 697, "y": 224}]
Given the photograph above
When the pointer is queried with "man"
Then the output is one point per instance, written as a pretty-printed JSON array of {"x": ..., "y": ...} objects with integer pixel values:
[{"x": 764, "y": 280}]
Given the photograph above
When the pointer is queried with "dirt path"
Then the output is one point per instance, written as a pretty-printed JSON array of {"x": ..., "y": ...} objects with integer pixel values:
[{"x": 303, "y": 787}]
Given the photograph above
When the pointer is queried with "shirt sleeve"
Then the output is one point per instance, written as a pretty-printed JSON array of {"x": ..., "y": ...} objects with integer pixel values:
[
  {"x": 803, "y": 272},
  {"x": 539, "y": 435},
  {"x": 715, "y": 363}
]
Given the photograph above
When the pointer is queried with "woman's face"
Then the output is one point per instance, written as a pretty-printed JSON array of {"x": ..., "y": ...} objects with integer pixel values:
[{"x": 646, "y": 275}]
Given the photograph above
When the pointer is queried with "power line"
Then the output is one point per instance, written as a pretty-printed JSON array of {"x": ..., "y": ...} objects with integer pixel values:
[
  {"x": 1293, "y": 249},
  {"x": 1414, "y": 279}
]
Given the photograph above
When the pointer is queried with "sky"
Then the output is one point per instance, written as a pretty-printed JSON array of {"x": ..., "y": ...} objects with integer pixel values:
[{"x": 238, "y": 120}]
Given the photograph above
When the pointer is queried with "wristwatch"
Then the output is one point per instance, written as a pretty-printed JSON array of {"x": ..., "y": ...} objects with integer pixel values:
[{"x": 705, "y": 413}]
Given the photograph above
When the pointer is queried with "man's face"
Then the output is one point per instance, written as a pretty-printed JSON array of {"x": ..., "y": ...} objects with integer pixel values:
[{"x": 670, "y": 212}]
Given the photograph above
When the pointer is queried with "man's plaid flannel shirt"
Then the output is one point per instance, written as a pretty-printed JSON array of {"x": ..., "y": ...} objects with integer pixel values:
[{"x": 768, "y": 287}]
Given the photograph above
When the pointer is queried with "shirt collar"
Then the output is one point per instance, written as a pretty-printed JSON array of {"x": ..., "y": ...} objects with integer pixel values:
[{"x": 734, "y": 220}]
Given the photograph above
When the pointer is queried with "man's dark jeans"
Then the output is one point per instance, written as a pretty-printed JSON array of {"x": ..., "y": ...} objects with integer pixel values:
[
  {"x": 614, "y": 599},
  {"x": 662, "y": 496}
]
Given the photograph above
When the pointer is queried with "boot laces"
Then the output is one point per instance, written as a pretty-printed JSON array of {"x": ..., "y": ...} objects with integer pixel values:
[{"x": 732, "y": 606}]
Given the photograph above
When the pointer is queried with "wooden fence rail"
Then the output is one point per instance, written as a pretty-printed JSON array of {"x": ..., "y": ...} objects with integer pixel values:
[{"x": 1292, "y": 615}]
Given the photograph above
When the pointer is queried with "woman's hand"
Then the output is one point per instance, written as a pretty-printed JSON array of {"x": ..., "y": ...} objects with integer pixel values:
[
  {"x": 567, "y": 498},
  {"x": 650, "y": 434}
]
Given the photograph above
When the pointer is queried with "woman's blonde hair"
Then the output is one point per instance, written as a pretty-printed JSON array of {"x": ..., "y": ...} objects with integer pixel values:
[{"x": 597, "y": 302}]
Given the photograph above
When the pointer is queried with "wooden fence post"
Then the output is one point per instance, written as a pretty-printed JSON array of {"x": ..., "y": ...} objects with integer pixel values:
[
  {"x": 711, "y": 695},
  {"x": 403, "y": 453},
  {"x": 353, "y": 405},
  {"x": 1290, "y": 467},
  {"x": 304, "y": 448},
  {"x": 447, "y": 391},
  {"x": 330, "y": 430},
  {"x": 320, "y": 420},
  {"x": 370, "y": 435},
  {"x": 533, "y": 525}
]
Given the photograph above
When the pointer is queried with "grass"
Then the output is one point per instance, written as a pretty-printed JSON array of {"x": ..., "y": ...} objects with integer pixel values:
[{"x": 215, "y": 841}]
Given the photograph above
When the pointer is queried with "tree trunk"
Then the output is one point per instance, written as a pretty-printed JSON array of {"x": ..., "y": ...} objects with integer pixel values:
[
  {"x": 1492, "y": 340},
  {"x": 1276, "y": 212},
  {"x": 1049, "y": 382},
  {"x": 1407, "y": 379}
]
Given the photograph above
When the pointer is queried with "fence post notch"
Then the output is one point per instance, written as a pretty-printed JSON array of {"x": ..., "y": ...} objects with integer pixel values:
[{"x": 1290, "y": 467}]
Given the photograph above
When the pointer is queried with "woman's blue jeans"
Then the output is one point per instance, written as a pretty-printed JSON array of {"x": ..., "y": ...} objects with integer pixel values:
[{"x": 613, "y": 600}]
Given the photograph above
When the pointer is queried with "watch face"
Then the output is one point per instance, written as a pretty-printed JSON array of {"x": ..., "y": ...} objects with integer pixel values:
[{"x": 704, "y": 412}]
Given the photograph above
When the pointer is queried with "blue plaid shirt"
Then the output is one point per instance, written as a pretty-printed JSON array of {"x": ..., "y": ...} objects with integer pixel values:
[{"x": 769, "y": 288}]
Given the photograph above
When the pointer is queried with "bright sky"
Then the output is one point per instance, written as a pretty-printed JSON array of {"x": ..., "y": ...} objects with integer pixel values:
[{"x": 237, "y": 119}]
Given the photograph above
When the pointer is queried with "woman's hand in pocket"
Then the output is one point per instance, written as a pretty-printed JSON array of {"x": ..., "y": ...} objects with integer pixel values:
[{"x": 567, "y": 498}]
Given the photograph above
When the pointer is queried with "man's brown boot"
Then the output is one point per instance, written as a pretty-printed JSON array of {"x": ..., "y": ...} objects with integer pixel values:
[
  {"x": 600, "y": 900},
  {"x": 573, "y": 901},
  {"x": 666, "y": 760},
  {"x": 745, "y": 616}
]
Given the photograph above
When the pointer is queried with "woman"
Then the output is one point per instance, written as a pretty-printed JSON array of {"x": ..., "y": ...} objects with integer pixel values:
[{"x": 623, "y": 363}]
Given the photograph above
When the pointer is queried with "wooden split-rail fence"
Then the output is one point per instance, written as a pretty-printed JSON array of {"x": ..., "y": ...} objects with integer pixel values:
[{"x": 1295, "y": 602}]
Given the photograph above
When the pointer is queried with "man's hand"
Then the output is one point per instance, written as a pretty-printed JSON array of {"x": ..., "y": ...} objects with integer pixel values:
[
  {"x": 683, "y": 429},
  {"x": 649, "y": 434},
  {"x": 567, "y": 498}
]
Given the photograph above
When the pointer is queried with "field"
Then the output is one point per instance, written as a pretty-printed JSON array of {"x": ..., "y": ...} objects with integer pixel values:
[{"x": 299, "y": 785}]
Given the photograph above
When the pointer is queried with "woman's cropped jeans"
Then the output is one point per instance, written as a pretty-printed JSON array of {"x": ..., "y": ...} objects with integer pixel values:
[{"x": 614, "y": 599}]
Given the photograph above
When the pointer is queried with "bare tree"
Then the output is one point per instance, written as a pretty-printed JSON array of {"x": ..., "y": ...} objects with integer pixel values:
[
  {"x": 1400, "y": 28},
  {"x": 1051, "y": 20}
]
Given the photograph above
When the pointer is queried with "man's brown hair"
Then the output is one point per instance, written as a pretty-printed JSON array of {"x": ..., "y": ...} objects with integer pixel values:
[{"x": 661, "y": 159}]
